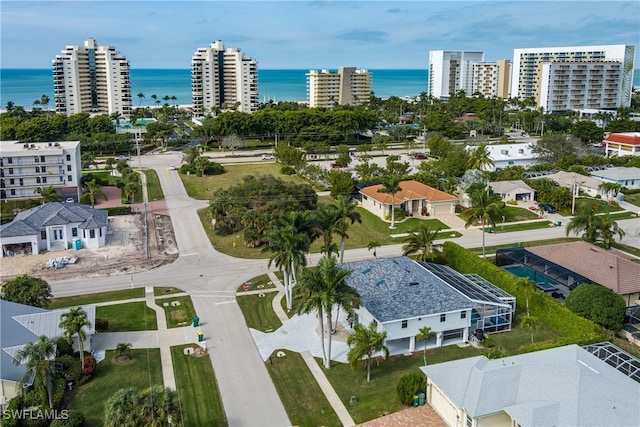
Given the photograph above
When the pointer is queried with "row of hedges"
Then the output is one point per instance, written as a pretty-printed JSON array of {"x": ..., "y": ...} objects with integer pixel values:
[
  {"x": 573, "y": 328},
  {"x": 119, "y": 210}
]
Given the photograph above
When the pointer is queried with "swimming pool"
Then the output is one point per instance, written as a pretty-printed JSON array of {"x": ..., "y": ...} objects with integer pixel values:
[{"x": 522, "y": 271}]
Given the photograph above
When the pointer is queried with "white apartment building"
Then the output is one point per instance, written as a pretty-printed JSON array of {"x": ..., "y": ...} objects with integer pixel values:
[
  {"x": 348, "y": 85},
  {"x": 451, "y": 71},
  {"x": 93, "y": 79},
  {"x": 491, "y": 79},
  {"x": 25, "y": 167},
  {"x": 223, "y": 78},
  {"x": 561, "y": 78}
]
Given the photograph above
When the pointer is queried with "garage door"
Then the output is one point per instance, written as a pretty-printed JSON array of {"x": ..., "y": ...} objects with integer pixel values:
[
  {"x": 441, "y": 404},
  {"x": 442, "y": 209}
]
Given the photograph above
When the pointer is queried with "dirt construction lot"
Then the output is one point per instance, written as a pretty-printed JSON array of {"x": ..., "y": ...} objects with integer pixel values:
[{"x": 124, "y": 253}]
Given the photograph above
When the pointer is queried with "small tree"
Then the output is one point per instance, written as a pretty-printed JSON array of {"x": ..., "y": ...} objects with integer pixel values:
[
  {"x": 531, "y": 323},
  {"x": 27, "y": 290},
  {"x": 74, "y": 322},
  {"x": 425, "y": 334},
  {"x": 124, "y": 349},
  {"x": 409, "y": 385},
  {"x": 372, "y": 246},
  {"x": 364, "y": 343}
]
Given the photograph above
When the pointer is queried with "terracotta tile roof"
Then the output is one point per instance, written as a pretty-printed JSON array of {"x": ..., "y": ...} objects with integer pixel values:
[
  {"x": 610, "y": 268},
  {"x": 411, "y": 190},
  {"x": 629, "y": 138}
]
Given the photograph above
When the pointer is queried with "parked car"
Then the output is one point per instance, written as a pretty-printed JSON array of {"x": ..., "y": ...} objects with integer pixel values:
[
  {"x": 547, "y": 208},
  {"x": 172, "y": 167},
  {"x": 69, "y": 200},
  {"x": 419, "y": 156},
  {"x": 124, "y": 158},
  {"x": 267, "y": 157}
]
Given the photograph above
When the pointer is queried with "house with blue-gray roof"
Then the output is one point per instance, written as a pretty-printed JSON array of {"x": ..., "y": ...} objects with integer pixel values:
[
  {"x": 402, "y": 295},
  {"x": 21, "y": 324},
  {"x": 54, "y": 226}
]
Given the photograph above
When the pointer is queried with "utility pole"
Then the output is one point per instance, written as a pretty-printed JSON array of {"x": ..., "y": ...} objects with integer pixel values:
[{"x": 144, "y": 197}]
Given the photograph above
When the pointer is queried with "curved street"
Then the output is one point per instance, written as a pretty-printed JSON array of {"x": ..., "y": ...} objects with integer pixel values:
[{"x": 211, "y": 279}]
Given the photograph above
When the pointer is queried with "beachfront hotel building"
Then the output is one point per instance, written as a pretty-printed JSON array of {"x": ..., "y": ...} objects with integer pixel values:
[
  {"x": 223, "y": 78},
  {"x": 491, "y": 79},
  {"x": 348, "y": 85},
  {"x": 25, "y": 167},
  {"x": 451, "y": 71},
  {"x": 93, "y": 79},
  {"x": 574, "y": 78}
]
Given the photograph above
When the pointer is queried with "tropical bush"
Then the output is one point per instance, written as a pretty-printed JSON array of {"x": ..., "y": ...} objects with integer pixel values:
[
  {"x": 598, "y": 304},
  {"x": 409, "y": 385}
]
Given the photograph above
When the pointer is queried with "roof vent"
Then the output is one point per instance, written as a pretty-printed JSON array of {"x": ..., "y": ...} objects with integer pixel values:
[
  {"x": 366, "y": 270},
  {"x": 380, "y": 282},
  {"x": 26, "y": 145},
  {"x": 33, "y": 145},
  {"x": 413, "y": 283}
]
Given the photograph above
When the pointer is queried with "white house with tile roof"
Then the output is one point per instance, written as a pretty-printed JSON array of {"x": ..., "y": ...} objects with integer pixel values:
[
  {"x": 626, "y": 177},
  {"x": 21, "y": 324},
  {"x": 563, "y": 386},
  {"x": 54, "y": 226},
  {"x": 402, "y": 296}
]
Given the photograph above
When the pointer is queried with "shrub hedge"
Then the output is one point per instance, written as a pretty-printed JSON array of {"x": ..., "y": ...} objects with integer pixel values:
[
  {"x": 119, "y": 210},
  {"x": 573, "y": 328}
]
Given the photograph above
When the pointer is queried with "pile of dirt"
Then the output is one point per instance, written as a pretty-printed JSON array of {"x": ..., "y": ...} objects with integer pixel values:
[{"x": 125, "y": 252}]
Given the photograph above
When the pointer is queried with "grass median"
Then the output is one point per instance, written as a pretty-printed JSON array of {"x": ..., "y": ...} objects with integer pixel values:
[
  {"x": 131, "y": 316},
  {"x": 96, "y": 298}
]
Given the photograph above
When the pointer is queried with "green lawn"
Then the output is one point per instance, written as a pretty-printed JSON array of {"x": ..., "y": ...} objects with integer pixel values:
[
  {"x": 198, "y": 389},
  {"x": 522, "y": 226},
  {"x": 131, "y": 316},
  {"x": 378, "y": 397},
  {"x": 301, "y": 396},
  {"x": 622, "y": 215},
  {"x": 258, "y": 311},
  {"x": 96, "y": 298},
  {"x": 513, "y": 214},
  {"x": 518, "y": 336},
  {"x": 204, "y": 187},
  {"x": 259, "y": 282},
  {"x": 634, "y": 199},
  {"x": 160, "y": 291},
  {"x": 602, "y": 205},
  {"x": 179, "y": 315},
  {"x": 154, "y": 190},
  {"x": 141, "y": 372}
]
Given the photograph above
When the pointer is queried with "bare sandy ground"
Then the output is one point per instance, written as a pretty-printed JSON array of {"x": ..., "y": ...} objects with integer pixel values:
[{"x": 124, "y": 253}]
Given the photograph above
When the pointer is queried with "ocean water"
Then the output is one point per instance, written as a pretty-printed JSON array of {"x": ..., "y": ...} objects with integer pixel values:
[{"x": 23, "y": 86}]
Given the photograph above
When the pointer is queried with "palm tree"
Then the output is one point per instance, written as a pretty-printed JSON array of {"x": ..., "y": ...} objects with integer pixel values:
[
  {"x": 610, "y": 189},
  {"x": 425, "y": 334},
  {"x": 480, "y": 158},
  {"x": 391, "y": 185},
  {"x": 331, "y": 282},
  {"x": 326, "y": 217},
  {"x": 155, "y": 98},
  {"x": 607, "y": 228},
  {"x": 308, "y": 299},
  {"x": 47, "y": 194},
  {"x": 596, "y": 229},
  {"x": 115, "y": 116},
  {"x": 420, "y": 241},
  {"x": 93, "y": 191},
  {"x": 372, "y": 246},
  {"x": 124, "y": 349},
  {"x": 364, "y": 343},
  {"x": 74, "y": 322},
  {"x": 159, "y": 407},
  {"x": 140, "y": 98},
  {"x": 44, "y": 100},
  {"x": 485, "y": 207},
  {"x": 201, "y": 163},
  {"x": 530, "y": 323},
  {"x": 122, "y": 408},
  {"x": 129, "y": 190},
  {"x": 37, "y": 358},
  {"x": 347, "y": 214}
]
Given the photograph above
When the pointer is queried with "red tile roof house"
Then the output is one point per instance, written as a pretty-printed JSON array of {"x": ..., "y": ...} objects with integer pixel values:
[
  {"x": 623, "y": 144},
  {"x": 611, "y": 268},
  {"x": 414, "y": 197}
]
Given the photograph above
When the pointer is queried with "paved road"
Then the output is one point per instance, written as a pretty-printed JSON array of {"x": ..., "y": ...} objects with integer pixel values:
[{"x": 211, "y": 278}]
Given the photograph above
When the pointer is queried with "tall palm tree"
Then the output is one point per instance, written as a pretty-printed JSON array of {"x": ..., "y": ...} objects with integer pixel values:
[
  {"x": 530, "y": 323},
  {"x": 425, "y": 334},
  {"x": 610, "y": 189},
  {"x": 331, "y": 282},
  {"x": 37, "y": 358},
  {"x": 129, "y": 190},
  {"x": 347, "y": 215},
  {"x": 123, "y": 408},
  {"x": 480, "y": 158},
  {"x": 372, "y": 246},
  {"x": 486, "y": 207},
  {"x": 74, "y": 322},
  {"x": 607, "y": 229},
  {"x": 391, "y": 185},
  {"x": 596, "y": 229},
  {"x": 364, "y": 343},
  {"x": 308, "y": 298},
  {"x": 420, "y": 241},
  {"x": 155, "y": 98},
  {"x": 47, "y": 194},
  {"x": 159, "y": 405},
  {"x": 326, "y": 217},
  {"x": 140, "y": 98},
  {"x": 93, "y": 190},
  {"x": 44, "y": 100}
]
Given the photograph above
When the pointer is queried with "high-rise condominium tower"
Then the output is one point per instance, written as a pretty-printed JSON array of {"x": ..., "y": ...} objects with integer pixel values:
[
  {"x": 223, "y": 78},
  {"x": 346, "y": 86},
  {"x": 451, "y": 71},
  {"x": 573, "y": 78},
  {"x": 92, "y": 79}
]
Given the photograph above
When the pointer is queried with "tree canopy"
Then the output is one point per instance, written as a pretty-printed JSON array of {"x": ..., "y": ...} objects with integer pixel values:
[
  {"x": 27, "y": 290},
  {"x": 599, "y": 304}
]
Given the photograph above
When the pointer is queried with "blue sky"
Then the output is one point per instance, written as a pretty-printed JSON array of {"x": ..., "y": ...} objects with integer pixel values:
[{"x": 309, "y": 34}]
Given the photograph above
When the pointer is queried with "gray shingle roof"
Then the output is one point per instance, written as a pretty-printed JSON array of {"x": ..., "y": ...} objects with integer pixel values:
[
  {"x": 564, "y": 386},
  {"x": 54, "y": 213},
  {"x": 387, "y": 293}
]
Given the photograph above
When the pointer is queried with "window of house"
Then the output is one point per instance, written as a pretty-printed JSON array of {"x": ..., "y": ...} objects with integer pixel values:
[
  {"x": 42, "y": 159},
  {"x": 68, "y": 168},
  {"x": 10, "y": 171},
  {"x": 69, "y": 178},
  {"x": 21, "y": 181},
  {"x": 13, "y": 192},
  {"x": 74, "y": 232},
  {"x": 405, "y": 323},
  {"x": 463, "y": 314},
  {"x": 92, "y": 234},
  {"x": 44, "y": 179},
  {"x": 43, "y": 234},
  {"x": 37, "y": 169},
  {"x": 12, "y": 181},
  {"x": 37, "y": 180},
  {"x": 68, "y": 157},
  {"x": 443, "y": 317},
  {"x": 36, "y": 159},
  {"x": 44, "y": 169},
  {"x": 10, "y": 160},
  {"x": 100, "y": 232}
]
